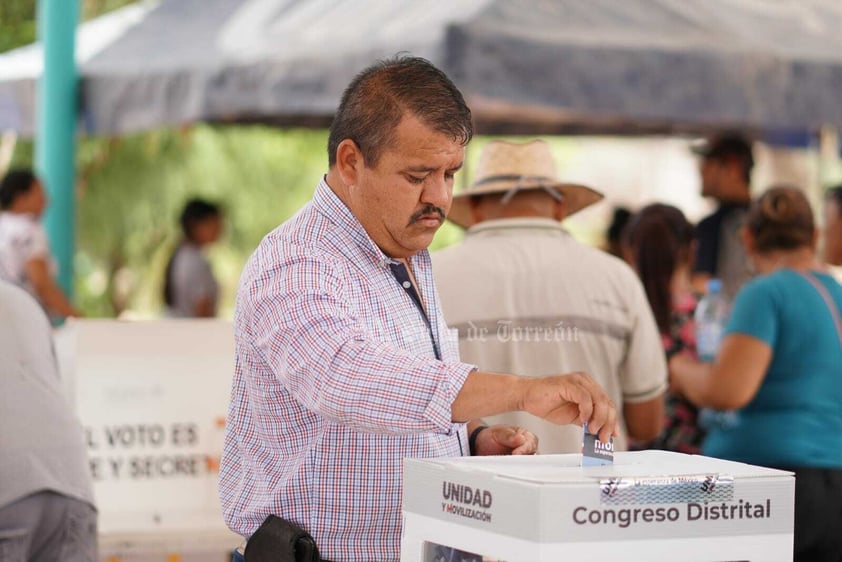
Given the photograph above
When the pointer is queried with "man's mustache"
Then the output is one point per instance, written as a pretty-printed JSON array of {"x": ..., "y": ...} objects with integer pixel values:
[{"x": 426, "y": 211}]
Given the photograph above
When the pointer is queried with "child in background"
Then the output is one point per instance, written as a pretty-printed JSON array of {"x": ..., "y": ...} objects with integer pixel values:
[{"x": 190, "y": 288}]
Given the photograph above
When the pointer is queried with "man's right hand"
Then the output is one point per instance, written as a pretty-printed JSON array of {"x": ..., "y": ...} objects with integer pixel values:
[
  {"x": 572, "y": 398},
  {"x": 562, "y": 399}
]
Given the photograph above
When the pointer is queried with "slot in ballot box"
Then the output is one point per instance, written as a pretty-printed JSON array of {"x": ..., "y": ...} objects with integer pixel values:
[{"x": 649, "y": 505}]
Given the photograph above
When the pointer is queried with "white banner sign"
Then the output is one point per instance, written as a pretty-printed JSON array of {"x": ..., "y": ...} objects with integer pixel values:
[{"x": 152, "y": 397}]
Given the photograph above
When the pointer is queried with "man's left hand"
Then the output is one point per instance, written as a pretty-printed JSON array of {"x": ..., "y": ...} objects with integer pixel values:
[{"x": 506, "y": 440}]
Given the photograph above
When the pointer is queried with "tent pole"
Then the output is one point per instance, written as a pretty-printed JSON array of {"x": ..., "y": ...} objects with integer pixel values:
[{"x": 55, "y": 149}]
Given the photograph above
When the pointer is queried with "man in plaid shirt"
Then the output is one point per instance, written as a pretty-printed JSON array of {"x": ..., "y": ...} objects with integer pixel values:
[{"x": 344, "y": 365}]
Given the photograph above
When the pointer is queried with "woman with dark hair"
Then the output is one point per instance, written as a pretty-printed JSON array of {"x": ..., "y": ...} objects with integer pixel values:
[
  {"x": 25, "y": 258},
  {"x": 780, "y": 367},
  {"x": 190, "y": 288},
  {"x": 659, "y": 245}
]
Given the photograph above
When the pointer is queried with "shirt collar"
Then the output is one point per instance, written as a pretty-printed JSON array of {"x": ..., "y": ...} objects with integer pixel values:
[
  {"x": 334, "y": 209},
  {"x": 519, "y": 223}
]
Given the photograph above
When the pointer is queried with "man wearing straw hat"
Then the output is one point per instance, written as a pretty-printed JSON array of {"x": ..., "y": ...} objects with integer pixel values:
[{"x": 528, "y": 298}]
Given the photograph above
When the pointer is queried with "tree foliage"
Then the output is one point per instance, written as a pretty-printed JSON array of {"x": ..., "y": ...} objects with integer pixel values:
[
  {"x": 18, "y": 18},
  {"x": 132, "y": 190},
  {"x": 17, "y": 23}
]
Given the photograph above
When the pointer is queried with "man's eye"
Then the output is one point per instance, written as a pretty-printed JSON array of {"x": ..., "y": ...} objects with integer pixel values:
[{"x": 415, "y": 179}]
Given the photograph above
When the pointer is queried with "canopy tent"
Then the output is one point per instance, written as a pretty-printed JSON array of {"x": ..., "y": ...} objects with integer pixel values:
[
  {"x": 532, "y": 66},
  {"x": 657, "y": 63}
]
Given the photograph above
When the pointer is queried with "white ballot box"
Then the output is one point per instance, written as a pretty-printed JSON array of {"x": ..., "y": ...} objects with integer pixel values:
[{"x": 650, "y": 505}]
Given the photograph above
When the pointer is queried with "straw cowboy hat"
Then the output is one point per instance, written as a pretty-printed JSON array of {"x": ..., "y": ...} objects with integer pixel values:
[{"x": 508, "y": 167}]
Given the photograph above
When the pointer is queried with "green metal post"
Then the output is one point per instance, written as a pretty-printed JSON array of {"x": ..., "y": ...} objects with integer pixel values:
[{"x": 55, "y": 143}]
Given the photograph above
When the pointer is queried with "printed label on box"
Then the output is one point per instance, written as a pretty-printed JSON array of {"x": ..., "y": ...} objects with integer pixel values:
[{"x": 667, "y": 489}]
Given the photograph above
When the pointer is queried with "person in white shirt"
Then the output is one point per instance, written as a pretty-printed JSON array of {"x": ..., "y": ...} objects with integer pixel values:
[
  {"x": 47, "y": 509},
  {"x": 25, "y": 258},
  {"x": 526, "y": 297}
]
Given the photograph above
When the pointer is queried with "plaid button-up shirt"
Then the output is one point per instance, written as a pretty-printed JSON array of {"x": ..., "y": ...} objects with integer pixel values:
[{"x": 335, "y": 382}]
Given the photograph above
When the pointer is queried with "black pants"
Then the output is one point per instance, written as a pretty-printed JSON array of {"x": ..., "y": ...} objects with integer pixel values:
[{"x": 818, "y": 514}]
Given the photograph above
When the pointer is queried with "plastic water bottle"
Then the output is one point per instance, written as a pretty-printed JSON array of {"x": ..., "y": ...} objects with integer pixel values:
[{"x": 711, "y": 317}]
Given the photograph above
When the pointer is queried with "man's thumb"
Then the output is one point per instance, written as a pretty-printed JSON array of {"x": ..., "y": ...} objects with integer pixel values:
[{"x": 510, "y": 436}]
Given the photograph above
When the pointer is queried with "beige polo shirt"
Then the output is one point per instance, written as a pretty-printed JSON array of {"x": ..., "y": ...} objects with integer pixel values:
[{"x": 528, "y": 299}]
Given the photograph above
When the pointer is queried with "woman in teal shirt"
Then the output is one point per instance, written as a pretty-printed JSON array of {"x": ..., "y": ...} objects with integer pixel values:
[{"x": 780, "y": 366}]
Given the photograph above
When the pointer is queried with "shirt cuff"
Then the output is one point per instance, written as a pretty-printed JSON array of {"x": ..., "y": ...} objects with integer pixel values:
[{"x": 439, "y": 410}]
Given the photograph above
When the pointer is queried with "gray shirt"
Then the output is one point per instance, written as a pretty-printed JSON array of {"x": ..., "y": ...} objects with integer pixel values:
[
  {"x": 192, "y": 281},
  {"x": 720, "y": 250},
  {"x": 41, "y": 441}
]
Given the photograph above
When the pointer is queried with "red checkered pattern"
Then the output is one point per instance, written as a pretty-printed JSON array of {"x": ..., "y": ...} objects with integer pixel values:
[{"x": 335, "y": 383}]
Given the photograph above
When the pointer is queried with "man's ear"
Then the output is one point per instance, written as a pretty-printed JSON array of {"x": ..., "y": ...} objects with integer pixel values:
[{"x": 349, "y": 162}]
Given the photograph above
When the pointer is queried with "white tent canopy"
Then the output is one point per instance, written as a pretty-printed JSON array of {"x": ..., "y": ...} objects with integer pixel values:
[{"x": 524, "y": 65}]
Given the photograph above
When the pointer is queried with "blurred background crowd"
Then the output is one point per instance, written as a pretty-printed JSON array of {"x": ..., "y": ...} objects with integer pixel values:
[
  {"x": 713, "y": 221},
  {"x": 131, "y": 188}
]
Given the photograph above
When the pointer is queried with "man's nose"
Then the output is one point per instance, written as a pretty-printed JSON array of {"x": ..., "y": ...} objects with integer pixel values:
[{"x": 438, "y": 192}]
